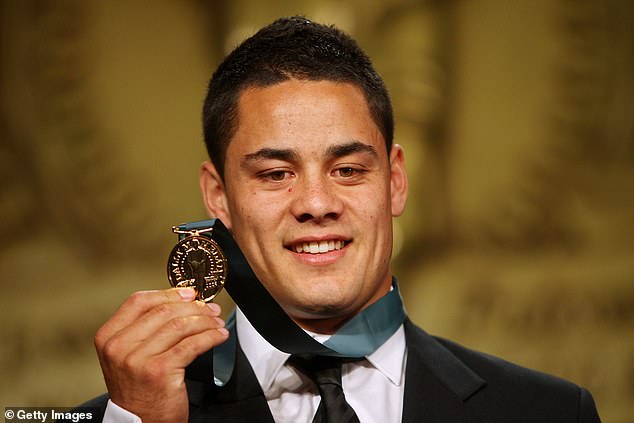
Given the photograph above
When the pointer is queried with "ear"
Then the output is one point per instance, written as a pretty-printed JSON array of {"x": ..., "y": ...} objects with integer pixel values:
[
  {"x": 398, "y": 180},
  {"x": 214, "y": 196}
]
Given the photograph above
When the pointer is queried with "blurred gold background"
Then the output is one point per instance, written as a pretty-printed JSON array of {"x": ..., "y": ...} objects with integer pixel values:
[{"x": 517, "y": 122}]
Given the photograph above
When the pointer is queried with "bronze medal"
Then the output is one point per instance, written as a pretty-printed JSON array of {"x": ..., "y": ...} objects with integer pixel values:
[{"x": 197, "y": 262}]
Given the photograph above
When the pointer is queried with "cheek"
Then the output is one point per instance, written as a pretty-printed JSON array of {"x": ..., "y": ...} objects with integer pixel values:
[
  {"x": 257, "y": 210},
  {"x": 377, "y": 203},
  {"x": 244, "y": 201}
]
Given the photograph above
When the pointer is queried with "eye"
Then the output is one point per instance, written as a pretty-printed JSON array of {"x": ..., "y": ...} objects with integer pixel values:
[
  {"x": 276, "y": 175},
  {"x": 348, "y": 172}
]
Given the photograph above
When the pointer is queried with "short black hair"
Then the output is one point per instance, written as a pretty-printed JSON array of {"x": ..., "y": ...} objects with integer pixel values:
[{"x": 289, "y": 48}]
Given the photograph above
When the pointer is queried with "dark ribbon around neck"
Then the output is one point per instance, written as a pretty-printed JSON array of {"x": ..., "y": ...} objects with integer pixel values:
[{"x": 359, "y": 337}]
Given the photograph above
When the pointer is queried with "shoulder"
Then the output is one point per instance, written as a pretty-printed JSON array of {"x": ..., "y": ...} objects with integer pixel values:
[
  {"x": 505, "y": 374},
  {"x": 505, "y": 388}
]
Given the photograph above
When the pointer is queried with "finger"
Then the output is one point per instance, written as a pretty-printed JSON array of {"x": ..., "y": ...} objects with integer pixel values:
[
  {"x": 173, "y": 360},
  {"x": 142, "y": 301},
  {"x": 158, "y": 316},
  {"x": 168, "y": 316},
  {"x": 184, "y": 352},
  {"x": 175, "y": 331},
  {"x": 138, "y": 304}
]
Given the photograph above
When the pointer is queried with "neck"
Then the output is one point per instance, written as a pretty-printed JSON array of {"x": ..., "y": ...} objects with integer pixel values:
[
  {"x": 331, "y": 324},
  {"x": 326, "y": 326}
]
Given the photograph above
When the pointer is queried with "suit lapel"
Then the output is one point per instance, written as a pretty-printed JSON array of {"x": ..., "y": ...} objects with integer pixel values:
[
  {"x": 241, "y": 399},
  {"x": 437, "y": 383}
]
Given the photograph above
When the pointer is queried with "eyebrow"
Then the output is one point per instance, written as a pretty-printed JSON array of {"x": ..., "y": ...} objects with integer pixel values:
[
  {"x": 290, "y": 155},
  {"x": 284, "y": 154},
  {"x": 352, "y": 147}
]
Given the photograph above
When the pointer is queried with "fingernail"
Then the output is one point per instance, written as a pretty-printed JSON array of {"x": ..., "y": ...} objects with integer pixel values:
[
  {"x": 186, "y": 293},
  {"x": 214, "y": 307},
  {"x": 223, "y": 331}
]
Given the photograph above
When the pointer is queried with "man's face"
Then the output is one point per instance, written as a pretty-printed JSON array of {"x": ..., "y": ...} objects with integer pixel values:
[{"x": 309, "y": 193}]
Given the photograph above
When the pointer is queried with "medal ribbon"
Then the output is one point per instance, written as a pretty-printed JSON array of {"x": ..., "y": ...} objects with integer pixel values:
[{"x": 359, "y": 337}]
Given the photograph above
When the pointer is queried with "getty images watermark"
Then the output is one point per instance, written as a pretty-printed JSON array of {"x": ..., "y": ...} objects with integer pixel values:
[{"x": 50, "y": 414}]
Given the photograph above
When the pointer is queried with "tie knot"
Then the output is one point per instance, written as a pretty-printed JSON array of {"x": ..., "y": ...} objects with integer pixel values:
[{"x": 320, "y": 369}]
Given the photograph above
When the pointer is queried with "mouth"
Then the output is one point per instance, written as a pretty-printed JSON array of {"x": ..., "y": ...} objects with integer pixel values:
[{"x": 317, "y": 247}]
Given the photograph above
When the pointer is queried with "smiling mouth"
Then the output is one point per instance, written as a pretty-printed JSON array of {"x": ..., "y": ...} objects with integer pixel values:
[{"x": 318, "y": 247}]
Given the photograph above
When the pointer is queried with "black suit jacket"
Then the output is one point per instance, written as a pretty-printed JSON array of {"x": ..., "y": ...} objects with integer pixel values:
[{"x": 444, "y": 383}]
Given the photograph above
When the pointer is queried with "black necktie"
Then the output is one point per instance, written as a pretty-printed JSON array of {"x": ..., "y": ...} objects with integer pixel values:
[{"x": 326, "y": 373}]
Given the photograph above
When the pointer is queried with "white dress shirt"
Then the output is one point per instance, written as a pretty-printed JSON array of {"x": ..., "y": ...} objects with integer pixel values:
[{"x": 373, "y": 387}]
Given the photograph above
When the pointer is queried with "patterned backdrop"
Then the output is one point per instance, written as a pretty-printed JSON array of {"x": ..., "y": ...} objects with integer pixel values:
[{"x": 516, "y": 118}]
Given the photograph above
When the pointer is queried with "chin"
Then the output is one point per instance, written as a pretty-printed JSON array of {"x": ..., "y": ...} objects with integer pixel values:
[
  {"x": 322, "y": 307},
  {"x": 321, "y": 318},
  {"x": 318, "y": 297}
]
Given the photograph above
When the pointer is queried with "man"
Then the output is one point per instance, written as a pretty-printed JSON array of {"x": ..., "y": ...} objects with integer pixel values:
[{"x": 304, "y": 174}]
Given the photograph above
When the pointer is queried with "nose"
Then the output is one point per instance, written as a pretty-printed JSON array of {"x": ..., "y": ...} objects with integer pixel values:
[{"x": 316, "y": 199}]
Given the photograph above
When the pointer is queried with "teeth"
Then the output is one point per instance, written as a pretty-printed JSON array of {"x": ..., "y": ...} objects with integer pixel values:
[{"x": 318, "y": 247}]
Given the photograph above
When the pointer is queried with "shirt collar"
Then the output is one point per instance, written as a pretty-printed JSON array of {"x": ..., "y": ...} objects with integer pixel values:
[
  {"x": 389, "y": 358},
  {"x": 267, "y": 361}
]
